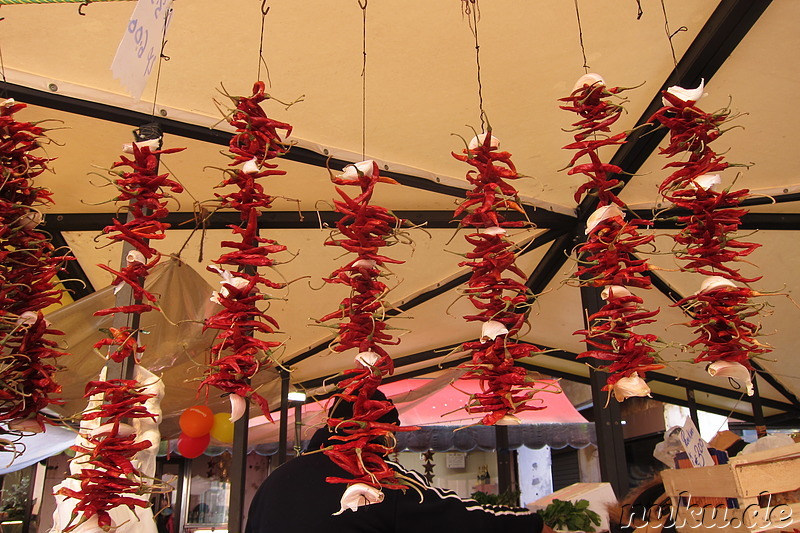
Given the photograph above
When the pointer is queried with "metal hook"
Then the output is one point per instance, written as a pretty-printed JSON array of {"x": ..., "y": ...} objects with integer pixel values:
[
  {"x": 264, "y": 8},
  {"x": 83, "y": 4},
  {"x": 362, "y": 5}
]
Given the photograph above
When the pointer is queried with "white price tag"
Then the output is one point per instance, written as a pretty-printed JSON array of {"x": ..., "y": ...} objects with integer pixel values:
[
  {"x": 694, "y": 446},
  {"x": 140, "y": 47}
]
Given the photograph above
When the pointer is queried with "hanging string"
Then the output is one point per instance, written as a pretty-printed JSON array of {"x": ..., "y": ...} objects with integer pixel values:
[
  {"x": 639, "y": 10},
  {"x": 580, "y": 38},
  {"x": 3, "y": 87},
  {"x": 670, "y": 34},
  {"x": 472, "y": 10},
  {"x": 161, "y": 58},
  {"x": 363, "y": 6},
  {"x": 261, "y": 60}
]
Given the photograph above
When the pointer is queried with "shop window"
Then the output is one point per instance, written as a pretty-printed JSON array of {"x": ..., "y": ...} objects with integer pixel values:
[
  {"x": 14, "y": 499},
  {"x": 209, "y": 492},
  {"x": 565, "y": 467}
]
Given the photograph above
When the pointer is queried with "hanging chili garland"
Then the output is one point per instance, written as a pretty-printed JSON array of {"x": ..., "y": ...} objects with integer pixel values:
[
  {"x": 238, "y": 354},
  {"x": 607, "y": 258},
  {"x": 496, "y": 287},
  {"x": 28, "y": 276},
  {"x": 720, "y": 311},
  {"x": 363, "y": 230},
  {"x": 105, "y": 464}
]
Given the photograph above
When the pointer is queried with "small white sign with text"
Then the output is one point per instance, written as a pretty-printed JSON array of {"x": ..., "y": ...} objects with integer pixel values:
[
  {"x": 140, "y": 48},
  {"x": 694, "y": 446}
]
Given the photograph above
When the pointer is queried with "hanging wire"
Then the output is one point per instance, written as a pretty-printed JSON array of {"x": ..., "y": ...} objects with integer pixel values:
[
  {"x": 363, "y": 6},
  {"x": 670, "y": 34},
  {"x": 161, "y": 58},
  {"x": 580, "y": 38},
  {"x": 472, "y": 10},
  {"x": 3, "y": 86},
  {"x": 639, "y": 10},
  {"x": 261, "y": 60}
]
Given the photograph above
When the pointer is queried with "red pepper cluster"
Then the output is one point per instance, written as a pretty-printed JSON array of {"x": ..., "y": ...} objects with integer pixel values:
[
  {"x": 363, "y": 230},
  {"x": 29, "y": 265},
  {"x": 720, "y": 318},
  {"x": 719, "y": 315},
  {"x": 496, "y": 287},
  {"x": 714, "y": 216},
  {"x": 238, "y": 354},
  {"x": 607, "y": 258},
  {"x": 108, "y": 477}
]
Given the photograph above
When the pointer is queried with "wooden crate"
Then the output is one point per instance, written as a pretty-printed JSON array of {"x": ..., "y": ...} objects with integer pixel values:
[{"x": 760, "y": 483}]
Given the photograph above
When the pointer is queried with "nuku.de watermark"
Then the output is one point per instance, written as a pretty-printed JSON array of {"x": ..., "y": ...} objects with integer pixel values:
[{"x": 707, "y": 516}]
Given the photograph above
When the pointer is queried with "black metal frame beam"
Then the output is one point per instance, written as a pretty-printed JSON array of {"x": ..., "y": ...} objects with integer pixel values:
[
  {"x": 750, "y": 221},
  {"x": 51, "y": 100},
  {"x": 75, "y": 280}
]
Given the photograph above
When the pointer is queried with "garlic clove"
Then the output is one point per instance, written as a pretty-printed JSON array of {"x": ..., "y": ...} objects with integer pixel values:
[
  {"x": 615, "y": 291},
  {"x": 364, "y": 263},
  {"x": 152, "y": 144},
  {"x": 134, "y": 256},
  {"x": 366, "y": 168},
  {"x": 494, "y": 230},
  {"x": 238, "y": 405},
  {"x": 28, "y": 318},
  {"x": 491, "y": 329},
  {"x": 590, "y": 79},
  {"x": 359, "y": 494},
  {"x": 478, "y": 140},
  {"x": 715, "y": 282},
  {"x": 685, "y": 95},
  {"x": 732, "y": 370},
  {"x": 367, "y": 359},
  {"x": 603, "y": 213},
  {"x": 708, "y": 182},
  {"x": 251, "y": 167},
  {"x": 30, "y": 220},
  {"x": 630, "y": 386}
]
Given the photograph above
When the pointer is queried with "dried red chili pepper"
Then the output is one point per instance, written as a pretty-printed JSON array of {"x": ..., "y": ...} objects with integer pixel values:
[
  {"x": 363, "y": 230},
  {"x": 29, "y": 267},
  {"x": 238, "y": 355}
]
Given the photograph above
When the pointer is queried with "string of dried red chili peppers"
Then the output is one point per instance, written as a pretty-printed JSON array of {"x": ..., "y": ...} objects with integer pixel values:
[
  {"x": 363, "y": 230},
  {"x": 607, "y": 257},
  {"x": 501, "y": 300},
  {"x": 720, "y": 310},
  {"x": 107, "y": 472},
  {"x": 29, "y": 265},
  {"x": 108, "y": 475},
  {"x": 238, "y": 355}
]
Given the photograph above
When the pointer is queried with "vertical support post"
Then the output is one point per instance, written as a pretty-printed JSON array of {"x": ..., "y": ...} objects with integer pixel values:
[
  {"x": 298, "y": 427},
  {"x": 505, "y": 463},
  {"x": 607, "y": 419},
  {"x": 283, "y": 429},
  {"x": 692, "y": 407},
  {"x": 238, "y": 472},
  {"x": 758, "y": 410},
  {"x": 124, "y": 296}
]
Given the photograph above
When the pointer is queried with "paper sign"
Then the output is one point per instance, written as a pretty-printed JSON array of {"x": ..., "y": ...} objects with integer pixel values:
[
  {"x": 694, "y": 446},
  {"x": 456, "y": 460},
  {"x": 140, "y": 48}
]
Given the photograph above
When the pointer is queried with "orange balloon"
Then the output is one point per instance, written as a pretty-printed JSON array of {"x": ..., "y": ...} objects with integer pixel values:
[{"x": 196, "y": 421}]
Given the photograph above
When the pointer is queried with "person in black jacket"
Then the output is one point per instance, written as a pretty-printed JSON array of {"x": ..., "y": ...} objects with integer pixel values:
[{"x": 296, "y": 498}]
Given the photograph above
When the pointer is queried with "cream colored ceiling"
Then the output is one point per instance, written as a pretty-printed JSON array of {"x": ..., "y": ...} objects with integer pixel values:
[{"x": 421, "y": 92}]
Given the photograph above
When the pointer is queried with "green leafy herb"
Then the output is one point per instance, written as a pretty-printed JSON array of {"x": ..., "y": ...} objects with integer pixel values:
[{"x": 577, "y": 516}]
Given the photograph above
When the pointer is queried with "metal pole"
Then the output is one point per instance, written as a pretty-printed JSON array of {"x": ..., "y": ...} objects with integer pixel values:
[
  {"x": 283, "y": 434},
  {"x": 238, "y": 473},
  {"x": 758, "y": 411},
  {"x": 505, "y": 464},
  {"x": 298, "y": 427},
  {"x": 607, "y": 419},
  {"x": 692, "y": 407}
]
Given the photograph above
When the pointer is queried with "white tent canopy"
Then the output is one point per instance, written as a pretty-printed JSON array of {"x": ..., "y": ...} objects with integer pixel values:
[{"x": 420, "y": 90}]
